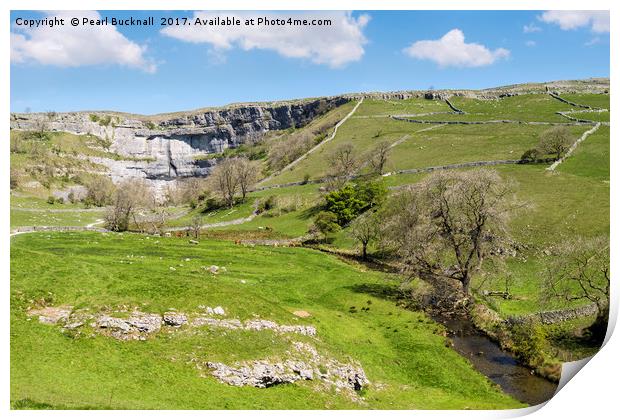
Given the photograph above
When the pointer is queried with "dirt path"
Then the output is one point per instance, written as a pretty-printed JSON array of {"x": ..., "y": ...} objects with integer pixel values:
[{"x": 302, "y": 157}]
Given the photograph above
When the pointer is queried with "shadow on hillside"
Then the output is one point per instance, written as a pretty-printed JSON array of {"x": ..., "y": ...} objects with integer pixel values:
[
  {"x": 310, "y": 212},
  {"x": 382, "y": 291}
]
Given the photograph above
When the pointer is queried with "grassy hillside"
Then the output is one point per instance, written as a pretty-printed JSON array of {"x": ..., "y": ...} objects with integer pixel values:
[{"x": 402, "y": 352}]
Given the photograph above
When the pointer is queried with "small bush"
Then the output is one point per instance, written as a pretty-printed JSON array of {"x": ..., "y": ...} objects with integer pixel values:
[
  {"x": 529, "y": 341},
  {"x": 105, "y": 121},
  {"x": 326, "y": 222},
  {"x": 93, "y": 117},
  {"x": 267, "y": 204},
  {"x": 51, "y": 199},
  {"x": 530, "y": 155}
]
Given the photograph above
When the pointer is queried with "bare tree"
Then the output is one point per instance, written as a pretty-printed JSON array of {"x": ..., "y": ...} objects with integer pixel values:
[
  {"x": 445, "y": 227},
  {"x": 99, "y": 191},
  {"x": 579, "y": 270},
  {"x": 555, "y": 141},
  {"x": 342, "y": 160},
  {"x": 157, "y": 218},
  {"x": 128, "y": 198},
  {"x": 40, "y": 129},
  {"x": 379, "y": 156},
  {"x": 196, "y": 225},
  {"x": 365, "y": 229},
  {"x": 342, "y": 164},
  {"x": 225, "y": 181},
  {"x": 247, "y": 173}
]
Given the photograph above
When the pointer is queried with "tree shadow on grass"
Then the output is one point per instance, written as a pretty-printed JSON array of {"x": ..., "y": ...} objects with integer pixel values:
[
  {"x": 310, "y": 212},
  {"x": 382, "y": 291}
]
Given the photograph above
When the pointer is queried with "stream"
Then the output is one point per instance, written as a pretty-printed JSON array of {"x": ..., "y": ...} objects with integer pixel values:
[{"x": 496, "y": 364}]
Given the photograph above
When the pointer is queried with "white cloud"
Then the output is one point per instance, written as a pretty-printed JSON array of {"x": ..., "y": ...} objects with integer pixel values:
[
  {"x": 530, "y": 43},
  {"x": 531, "y": 28},
  {"x": 593, "y": 41},
  {"x": 74, "y": 46},
  {"x": 451, "y": 50},
  {"x": 597, "y": 20},
  {"x": 336, "y": 45}
]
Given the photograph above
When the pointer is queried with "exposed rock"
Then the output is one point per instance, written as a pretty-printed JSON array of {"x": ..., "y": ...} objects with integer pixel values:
[
  {"x": 218, "y": 310},
  {"x": 254, "y": 325},
  {"x": 175, "y": 319},
  {"x": 164, "y": 148},
  {"x": 305, "y": 364},
  {"x": 302, "y": 314},
  {"x": 136, "y": 327},
  {"x": 51, "y": 315}
]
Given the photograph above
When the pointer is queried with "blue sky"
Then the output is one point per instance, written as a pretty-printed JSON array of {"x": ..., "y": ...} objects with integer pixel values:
[{"x": 144, "y": 70}]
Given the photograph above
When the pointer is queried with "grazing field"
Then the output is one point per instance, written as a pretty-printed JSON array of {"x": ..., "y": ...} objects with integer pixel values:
[
  {"x": 590, "y": 99},
  {"x": 592, "y": 116},
  {"x": 54, "y": 218},
  {"x": 403, "y": 353},
  {"x": 357, "y": 309},
  {"x": 385, "y": 107},
  {"x": 519, "y": 108}
]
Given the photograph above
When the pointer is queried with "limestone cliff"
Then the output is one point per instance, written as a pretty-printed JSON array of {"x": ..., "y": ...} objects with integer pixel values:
[{"x": 169, "y": 146}]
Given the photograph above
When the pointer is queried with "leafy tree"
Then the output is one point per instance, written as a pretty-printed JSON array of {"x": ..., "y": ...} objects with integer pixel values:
[{"x": 353, "y": 199}]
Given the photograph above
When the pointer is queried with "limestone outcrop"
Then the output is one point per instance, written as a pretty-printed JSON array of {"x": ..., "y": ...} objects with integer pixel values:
[{"x": 167, "y": 147}]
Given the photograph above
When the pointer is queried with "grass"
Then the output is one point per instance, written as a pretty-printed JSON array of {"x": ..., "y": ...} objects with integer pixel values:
[
  {"x": 459, "y": 144},
  {"x": 43, "y": 218},
  {"x": 592, "y": 116},
  {"x": 573, "y": 201},
  {"x": 591, "y": 99},
  {"x": 384, "y": 107},
  {"x": 529, "y": 107},
  {"x": 33, "y": 202},
  {"x": 402, "y": 352}
]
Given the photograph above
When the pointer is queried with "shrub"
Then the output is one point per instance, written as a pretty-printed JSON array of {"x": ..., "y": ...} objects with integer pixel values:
[
  {"x": 530, "y": 155},
  {"x": 327, "y": 223},
  {"x": 267, "y": 204},
  {"x": 529, "y": 341},
  {"x": 51, "y": 199},
  {"x": 105, "y": 121},
  {"x": 93, "y": 117}
]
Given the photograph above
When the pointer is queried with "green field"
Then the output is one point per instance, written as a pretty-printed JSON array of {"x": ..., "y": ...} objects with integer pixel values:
[
  {"x": 590, "y": 99},
  {"x": 381, "y": 107},
  {"x": 402, "y": 352}
]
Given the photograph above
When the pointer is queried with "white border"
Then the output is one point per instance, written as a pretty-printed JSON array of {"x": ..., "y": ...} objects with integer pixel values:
[{"x": 591, "y": 395}]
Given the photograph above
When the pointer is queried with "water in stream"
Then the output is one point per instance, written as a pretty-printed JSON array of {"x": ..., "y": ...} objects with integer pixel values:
[{"x": 498, "y": 365}]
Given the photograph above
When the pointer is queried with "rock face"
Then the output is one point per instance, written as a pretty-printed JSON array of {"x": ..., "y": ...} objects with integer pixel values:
[{"x": 167, "y": 147}]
